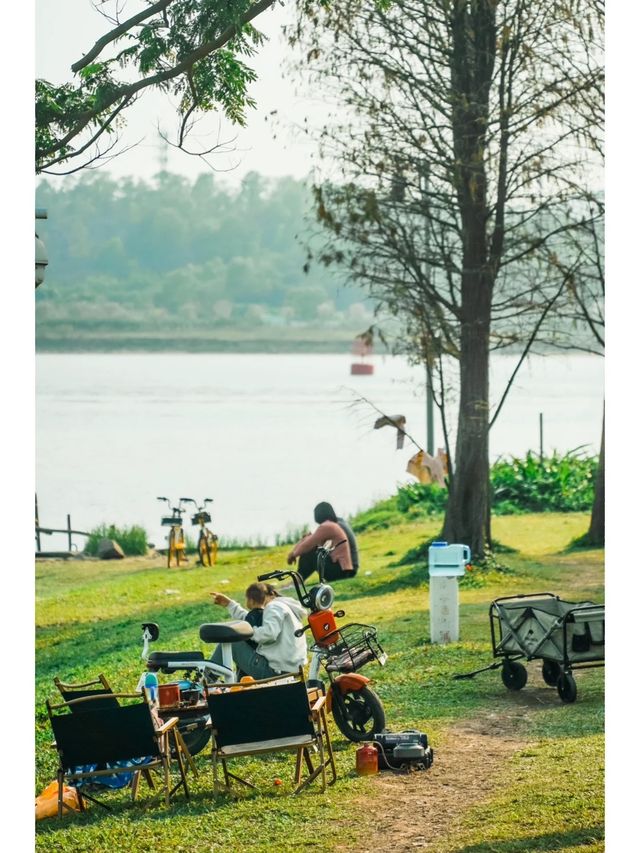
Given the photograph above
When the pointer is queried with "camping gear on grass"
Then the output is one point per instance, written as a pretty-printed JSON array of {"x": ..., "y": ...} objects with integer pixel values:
[
  {"x": 47, "y": 802},
  {"x": 366, "y": 760},
  {"x": 271, "y": 715},
  {"x": 564, "y": 635},
  {"x": 168, "y": 695},
  {"x": 91, "y": 743},
  {"x": 403, "y": 752}
]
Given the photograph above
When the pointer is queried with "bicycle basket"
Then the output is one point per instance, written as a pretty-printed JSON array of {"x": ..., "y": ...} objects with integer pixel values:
[
  {"x": 355, "y": 645},
  {"x": 171, "y": 520},
  {"x": 200, "y": 518}
]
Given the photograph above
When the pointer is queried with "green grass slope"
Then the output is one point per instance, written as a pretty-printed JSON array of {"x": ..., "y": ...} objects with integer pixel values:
[{"x": 550, "y": 793}]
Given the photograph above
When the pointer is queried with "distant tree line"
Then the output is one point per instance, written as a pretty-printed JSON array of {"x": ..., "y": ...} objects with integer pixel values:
[{"x": 138, "y": 256}]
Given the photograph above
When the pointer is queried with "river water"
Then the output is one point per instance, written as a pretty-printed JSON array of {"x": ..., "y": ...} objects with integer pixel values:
[{"x": 266, "y": 436}]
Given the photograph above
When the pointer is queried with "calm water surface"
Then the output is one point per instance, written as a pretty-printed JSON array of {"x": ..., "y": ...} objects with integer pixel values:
[{"x": 266, "y": 436}]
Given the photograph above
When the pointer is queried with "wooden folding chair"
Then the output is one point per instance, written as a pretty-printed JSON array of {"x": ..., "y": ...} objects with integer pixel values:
[
  {"x": 88, "y": 688},
  {"x": 105, "y": 735},
  {"x": 273, "y": 715}
]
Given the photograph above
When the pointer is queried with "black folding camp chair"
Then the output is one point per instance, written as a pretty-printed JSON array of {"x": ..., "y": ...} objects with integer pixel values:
[
  {"x": 102, "y": 736},
  {"x": 90, "y": 688},
  {"x": 272, "y": 715}
]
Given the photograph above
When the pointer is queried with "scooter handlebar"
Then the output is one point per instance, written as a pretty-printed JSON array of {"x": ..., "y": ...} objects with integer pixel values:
[{"x": 272, "y": 576}]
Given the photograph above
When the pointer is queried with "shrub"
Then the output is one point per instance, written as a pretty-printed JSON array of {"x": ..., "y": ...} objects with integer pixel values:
[
  {"x": 551, "y": 484},
  {"x": 556, "y": 483},
  {"x": 429, "y": 498},
  {"x": 132, "y": 540},
  {"x": 411, "y": 502}
]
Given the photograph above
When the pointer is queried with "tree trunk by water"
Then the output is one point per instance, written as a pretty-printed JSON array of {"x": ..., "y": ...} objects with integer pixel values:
[
  {"x": 595, "y": 534},
  {"x": 472, "y": 62},
  {"x": 468, "y": 511}
]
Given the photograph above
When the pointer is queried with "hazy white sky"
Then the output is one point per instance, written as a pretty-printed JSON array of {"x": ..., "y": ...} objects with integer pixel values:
[{"x": 65, "y": 29}]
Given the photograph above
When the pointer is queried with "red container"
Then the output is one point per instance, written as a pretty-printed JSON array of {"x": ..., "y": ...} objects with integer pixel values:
[
  {"x": 168, "y": 695},
  {"x": 323, "y": 623},
  {"x": 367, "y": 760}
]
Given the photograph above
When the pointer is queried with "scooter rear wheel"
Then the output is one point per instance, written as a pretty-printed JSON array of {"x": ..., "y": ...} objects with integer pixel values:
[
  {"x": 195, "y": 738},
  {"x": 359, "y": 715}
]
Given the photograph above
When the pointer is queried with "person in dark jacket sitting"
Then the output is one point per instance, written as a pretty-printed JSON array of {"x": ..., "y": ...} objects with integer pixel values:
[{"x": 343, "y": 559}]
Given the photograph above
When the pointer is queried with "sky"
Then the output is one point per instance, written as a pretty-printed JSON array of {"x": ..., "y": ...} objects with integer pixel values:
[{"x": 77, "y": 25}]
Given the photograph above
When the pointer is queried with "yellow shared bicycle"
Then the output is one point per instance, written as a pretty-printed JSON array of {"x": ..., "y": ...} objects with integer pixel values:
[
  {"x": 207, "y": 540},
  {"x": 176, "y": 551}
]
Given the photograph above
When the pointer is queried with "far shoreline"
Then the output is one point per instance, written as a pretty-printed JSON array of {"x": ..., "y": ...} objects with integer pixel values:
[{"x": 247, "y": 347}]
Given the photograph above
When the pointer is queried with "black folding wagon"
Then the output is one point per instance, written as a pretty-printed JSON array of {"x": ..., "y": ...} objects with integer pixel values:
[{"x": 564, "y": 635}]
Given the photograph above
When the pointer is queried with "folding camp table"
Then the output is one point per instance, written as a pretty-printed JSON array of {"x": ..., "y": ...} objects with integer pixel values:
[{"x": 541, "y": 626}]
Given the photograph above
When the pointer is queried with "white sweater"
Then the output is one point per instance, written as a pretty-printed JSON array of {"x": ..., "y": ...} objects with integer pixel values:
[{"x": 276, "y": 640}]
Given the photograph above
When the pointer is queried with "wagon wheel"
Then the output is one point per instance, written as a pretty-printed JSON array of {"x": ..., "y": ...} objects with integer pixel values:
[
  {"x": 567, "y": 688},
  {"x": 514, "y": 675},
  {"x": 551, "y": 672}
]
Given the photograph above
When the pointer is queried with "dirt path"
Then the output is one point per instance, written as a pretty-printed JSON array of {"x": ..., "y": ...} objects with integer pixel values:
[{"x": 411, "y": 812}]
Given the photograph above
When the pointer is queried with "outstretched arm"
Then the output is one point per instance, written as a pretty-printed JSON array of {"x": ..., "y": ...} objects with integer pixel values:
[{"x": 236, "y": 611}]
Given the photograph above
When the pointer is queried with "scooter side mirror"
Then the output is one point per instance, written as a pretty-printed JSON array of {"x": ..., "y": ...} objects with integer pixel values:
[
  {"x": 152, "y": 629},
  {"x": 150, "y": 633}
]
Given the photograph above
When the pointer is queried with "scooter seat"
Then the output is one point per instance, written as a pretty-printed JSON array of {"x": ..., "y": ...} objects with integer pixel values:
[
  {"x": 163, "y": 658},
  {"x": 225, "y": 632}
]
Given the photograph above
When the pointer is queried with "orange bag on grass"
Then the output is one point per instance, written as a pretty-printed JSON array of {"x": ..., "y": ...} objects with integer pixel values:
[{"x": 47, "y": 802}]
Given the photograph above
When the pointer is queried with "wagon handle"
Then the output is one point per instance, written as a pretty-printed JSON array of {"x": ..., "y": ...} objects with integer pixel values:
[
  {"x": 473, "y": 674},
  {"x": 526, "y": 595}
]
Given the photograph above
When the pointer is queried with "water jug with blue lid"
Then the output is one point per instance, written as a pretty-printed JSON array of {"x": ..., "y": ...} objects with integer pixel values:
[
  {"x": 448, "y": 561},
  {"x": 151, "y": 686}
]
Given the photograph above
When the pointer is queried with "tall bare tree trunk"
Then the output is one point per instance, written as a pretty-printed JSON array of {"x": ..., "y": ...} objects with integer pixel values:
[
  {"x": 595, "y": 534},
  {"x": 472, "y": 62}
]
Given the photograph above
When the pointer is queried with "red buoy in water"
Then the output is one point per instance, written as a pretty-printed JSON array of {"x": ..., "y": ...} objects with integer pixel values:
[
  {"x": 362, "y": 346},
  {"x": 361, "y": 369}
]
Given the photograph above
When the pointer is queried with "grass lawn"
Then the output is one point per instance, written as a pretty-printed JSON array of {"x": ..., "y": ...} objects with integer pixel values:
[{"x": 547, "y": 794}]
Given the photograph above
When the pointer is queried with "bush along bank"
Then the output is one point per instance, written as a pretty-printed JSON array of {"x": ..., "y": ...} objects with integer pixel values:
[
  {"x": 132, "y": 540},
  {"x": 556, "y": 483}
]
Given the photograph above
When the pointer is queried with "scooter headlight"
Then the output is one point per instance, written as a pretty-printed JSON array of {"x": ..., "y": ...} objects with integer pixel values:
[{"x": 321, "y": 597}]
